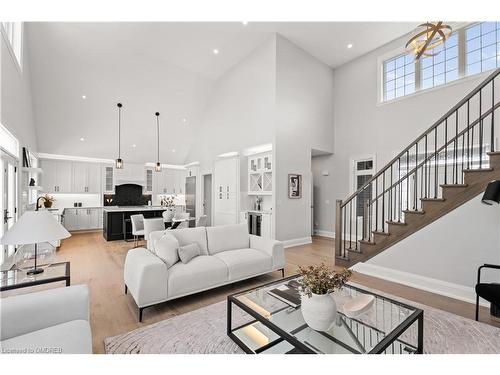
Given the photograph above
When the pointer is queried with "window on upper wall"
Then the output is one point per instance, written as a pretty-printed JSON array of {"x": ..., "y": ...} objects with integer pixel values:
[
  {"x": 14, "y": 34},
  {"x": 470, "y": 50},
  {"x": 482, "y": 47}
]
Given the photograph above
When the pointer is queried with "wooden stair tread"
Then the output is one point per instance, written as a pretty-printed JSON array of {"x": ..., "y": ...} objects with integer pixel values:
[
  {"x": 395, "y": 222},
  {"x": 490, "y": 153},
  {"x": 478, "y": 170},
  {"x": 365, "y": 242},
  {"x": 417, "y": 212},
  {"x": 453, "y": 185},
  {"x": 380, "y": 233},
  {"x": 432, "y": 199}
]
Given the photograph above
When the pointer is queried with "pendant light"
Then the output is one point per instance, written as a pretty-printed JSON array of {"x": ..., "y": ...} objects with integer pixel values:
[
  {"x": 428, "y": 37},
  {"x": 119, "y": 161},
  {"x": 158, "y": 164}
]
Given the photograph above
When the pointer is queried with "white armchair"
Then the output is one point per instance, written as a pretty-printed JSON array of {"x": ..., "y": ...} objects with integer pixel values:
[{"x": 49, "y": 321}]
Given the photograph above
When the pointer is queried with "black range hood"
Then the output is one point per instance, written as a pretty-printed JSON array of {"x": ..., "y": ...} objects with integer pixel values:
[{"x": 127, "y": 195}]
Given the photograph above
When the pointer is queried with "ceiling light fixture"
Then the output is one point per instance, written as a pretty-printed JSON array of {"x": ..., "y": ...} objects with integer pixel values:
[
  {"x": 119, "y": 161},
  {"x": 134, "y": 145},
  {"x": 245, "y": 23},
  {"x": 82, "y": 139},
  {"x": 427, "y": 37},
  {"x": 349, "y": 46},
  {"x": 184, "y": 119},
  {"x": 158, "y": 164},
  {"x": 215, "y": 51},
  {"x": 84, "y": 96},
  {"x": 173, "y": 150}
]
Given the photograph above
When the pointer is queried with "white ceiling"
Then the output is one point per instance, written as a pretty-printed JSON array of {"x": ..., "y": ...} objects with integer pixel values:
[{"x": 149, "y": 67}]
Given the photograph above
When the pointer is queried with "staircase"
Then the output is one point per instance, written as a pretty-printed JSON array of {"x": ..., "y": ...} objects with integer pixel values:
[{"x": 449, "y": 164}]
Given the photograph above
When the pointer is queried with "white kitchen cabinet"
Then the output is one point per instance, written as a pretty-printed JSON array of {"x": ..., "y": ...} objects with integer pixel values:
[
  {"x": 86, "y": 178},
  {"x": 226, "y": 194},
  {"x": 108, "y": 179},
  {"x": 82, "y": 218},
  {"x": 266, "y": 225},
  {"x": 148, "y": 188},
  {"x": 58, "y": 178},
  {"x": 260, "y": 174},
  {"x": 71, "y": 219}
]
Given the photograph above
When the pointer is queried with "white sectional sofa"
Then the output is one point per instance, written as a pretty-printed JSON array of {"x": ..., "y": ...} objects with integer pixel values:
[
  {"x": 228, "y": 254},
  {"x": 50, "y": 321}
]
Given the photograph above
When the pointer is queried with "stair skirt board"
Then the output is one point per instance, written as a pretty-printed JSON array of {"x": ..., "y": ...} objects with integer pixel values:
[
  {"x": 444, "y": 288},
  {"x": 297, "y": 242}
]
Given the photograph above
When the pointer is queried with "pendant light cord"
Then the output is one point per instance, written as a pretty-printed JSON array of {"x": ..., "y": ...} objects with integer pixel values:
[{"x": 119, "y": 128}]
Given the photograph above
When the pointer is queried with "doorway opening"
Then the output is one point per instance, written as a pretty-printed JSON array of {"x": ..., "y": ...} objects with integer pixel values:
[{"x": 207, "y": 197}]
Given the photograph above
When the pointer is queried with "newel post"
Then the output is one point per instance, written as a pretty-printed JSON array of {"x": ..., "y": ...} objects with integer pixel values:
[{"x": 338, "y": 227}]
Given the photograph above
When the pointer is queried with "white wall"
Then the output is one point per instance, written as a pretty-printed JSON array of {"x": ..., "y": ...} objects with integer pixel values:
[
  {"x": 239, "y": 110},
  {"x": 304, "y": 120},
  {"x": 17, "y": 106},
  {"x": 324, "y": 206}
]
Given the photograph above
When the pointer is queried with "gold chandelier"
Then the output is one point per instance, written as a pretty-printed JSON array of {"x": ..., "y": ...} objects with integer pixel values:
[{"x": 428, "y": 36}]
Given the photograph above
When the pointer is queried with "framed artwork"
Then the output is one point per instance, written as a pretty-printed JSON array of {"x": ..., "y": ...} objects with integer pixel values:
[{"x": 294, "y": 186}]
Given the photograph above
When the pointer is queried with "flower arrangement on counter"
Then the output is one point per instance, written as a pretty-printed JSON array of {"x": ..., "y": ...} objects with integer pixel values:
[
  {"x": 167, "y": 201},
  {"x": 321, "y": 279}
]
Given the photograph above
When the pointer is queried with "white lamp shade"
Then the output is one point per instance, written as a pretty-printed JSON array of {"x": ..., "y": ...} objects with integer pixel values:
[{"x": 35, "y": 227}]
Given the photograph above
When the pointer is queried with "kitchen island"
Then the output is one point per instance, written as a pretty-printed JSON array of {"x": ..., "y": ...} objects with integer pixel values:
[{"x": 116, "y": 220}]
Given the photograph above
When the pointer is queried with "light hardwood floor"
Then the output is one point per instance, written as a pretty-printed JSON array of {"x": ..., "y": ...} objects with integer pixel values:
[{"x": 99, "y": 264}]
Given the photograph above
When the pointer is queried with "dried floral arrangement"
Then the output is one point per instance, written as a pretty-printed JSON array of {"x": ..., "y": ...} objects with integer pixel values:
[{"x": 321, "y": 279}]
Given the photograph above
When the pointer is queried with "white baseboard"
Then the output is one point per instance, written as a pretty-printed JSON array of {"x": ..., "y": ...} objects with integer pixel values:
[
  {"x": 444, "y": 288},
  {"x": 324, "y": 233},
  {"x": 297, "y": 242}
]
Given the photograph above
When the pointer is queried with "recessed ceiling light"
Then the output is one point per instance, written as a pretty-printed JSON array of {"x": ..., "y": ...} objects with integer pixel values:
[
  {"x": 215, "y": 51},
  {"x": 184, "y": 119},
  {"x": 349, "y": 45},
  {"x": 173, "y": 150},
  {"x": 84, "y": 96},
  {"x": 82, "y": 139},
  {"x": 245, "y": 23},
  {"x": 134, "y": 145}
]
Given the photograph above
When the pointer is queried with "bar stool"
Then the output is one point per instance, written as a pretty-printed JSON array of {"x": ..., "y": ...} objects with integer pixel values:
[{"x": 137, "y": 227}]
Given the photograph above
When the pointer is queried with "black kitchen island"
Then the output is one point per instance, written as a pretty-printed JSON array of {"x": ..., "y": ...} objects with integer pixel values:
[{"x": 116, "y": 220}]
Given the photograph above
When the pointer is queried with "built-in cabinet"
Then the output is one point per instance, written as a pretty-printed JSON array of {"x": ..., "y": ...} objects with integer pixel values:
[
  {"x": 226, "y": 191},
  {"x": 148, "y": 188},
  {"x": 57, "y": 176},
  {"x": 108, "y": 178},
  {"x": 169, "y": 181},
  {"x": 83, "y": 218},
  {"x": 86, "y": 178},
  {"x": 260, "y": 174}
]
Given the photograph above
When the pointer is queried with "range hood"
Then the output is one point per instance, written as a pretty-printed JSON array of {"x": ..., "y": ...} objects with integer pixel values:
[{"x": 130, "y": 174}]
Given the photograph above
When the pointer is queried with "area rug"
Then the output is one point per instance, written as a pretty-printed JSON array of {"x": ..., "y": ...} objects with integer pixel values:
[{"x": 203, "y": 331}]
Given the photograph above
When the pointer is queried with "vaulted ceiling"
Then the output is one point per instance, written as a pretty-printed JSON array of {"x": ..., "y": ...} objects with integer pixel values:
[{"x": 149, "y": 67}]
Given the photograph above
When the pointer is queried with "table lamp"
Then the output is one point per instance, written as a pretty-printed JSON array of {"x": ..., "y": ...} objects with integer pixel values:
[{"x": 35, "y": 227}]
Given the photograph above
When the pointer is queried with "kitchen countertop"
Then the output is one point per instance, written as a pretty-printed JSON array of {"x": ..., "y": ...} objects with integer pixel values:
[
  {"x": 132, "y": 208},
  {"x": 260, "y": 212}
]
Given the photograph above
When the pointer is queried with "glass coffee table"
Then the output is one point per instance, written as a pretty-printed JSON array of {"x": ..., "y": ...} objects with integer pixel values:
[
  {"x": 15, "y": 278},
  {"x": 260, "y": 323}
]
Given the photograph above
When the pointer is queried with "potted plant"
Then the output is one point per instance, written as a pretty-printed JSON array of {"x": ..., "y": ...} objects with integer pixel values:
[
  {"x": 48, "y": 200},
  {"x": 318, "y": 307}
]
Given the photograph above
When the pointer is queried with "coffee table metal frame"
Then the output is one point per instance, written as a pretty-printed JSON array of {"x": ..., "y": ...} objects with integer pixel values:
[
  {"x": 66, "y": 277},
  {"x": 300, "y": 347}
]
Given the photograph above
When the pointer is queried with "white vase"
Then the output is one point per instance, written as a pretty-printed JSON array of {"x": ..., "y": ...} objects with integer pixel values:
[{"x": 319, "y": 311}]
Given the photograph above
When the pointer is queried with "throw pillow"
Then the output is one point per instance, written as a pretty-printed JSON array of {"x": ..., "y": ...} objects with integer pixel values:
[
  {"x": 188, "y": 252},
  {"x": 166, "y": 249}
]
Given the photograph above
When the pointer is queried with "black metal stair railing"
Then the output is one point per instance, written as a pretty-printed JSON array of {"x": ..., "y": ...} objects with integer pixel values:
[{"x": 458, "y": 141}]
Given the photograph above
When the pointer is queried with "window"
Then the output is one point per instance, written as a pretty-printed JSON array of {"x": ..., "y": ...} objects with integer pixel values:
[
  {"x": 363, "y": 171},
  {"x": 442, "y": 67},
  {"x": 13, "y": 32},
  {"x": 8, "y": 142},
  {"x": 399, "y": 76},
  {"x": 470, "y": 50},
  {"x": 482, "y": 47}
]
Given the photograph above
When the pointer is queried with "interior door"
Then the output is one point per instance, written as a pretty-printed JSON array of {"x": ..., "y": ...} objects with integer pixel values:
[{"x": 8, "y": 201}]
